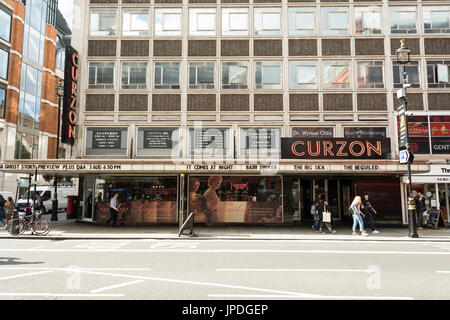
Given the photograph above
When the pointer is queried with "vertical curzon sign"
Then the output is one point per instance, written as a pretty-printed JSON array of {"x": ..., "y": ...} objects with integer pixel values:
[{"x": 69, "y": 114}]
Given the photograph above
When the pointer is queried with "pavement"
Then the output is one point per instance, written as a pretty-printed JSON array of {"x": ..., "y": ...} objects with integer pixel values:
[{"x": 70, "y": 229}]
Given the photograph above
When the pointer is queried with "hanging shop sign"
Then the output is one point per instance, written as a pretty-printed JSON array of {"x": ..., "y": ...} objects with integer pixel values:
[
  {"x": 69, "y": 112},
  {"x": 335, "y": 148}
]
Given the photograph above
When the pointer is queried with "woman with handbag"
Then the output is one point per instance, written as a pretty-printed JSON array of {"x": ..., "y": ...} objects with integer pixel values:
[
  {"x": 325, "y": 217},
  {"x": 355, "y": 210},
  {"x": 9, "y": 209}
]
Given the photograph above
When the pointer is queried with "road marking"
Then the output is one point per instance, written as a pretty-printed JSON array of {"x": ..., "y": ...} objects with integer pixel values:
[
  {"x": 297, "y": 270},
  {"x": 75, "y": 269},
  {"x": 175, "y": 244},
  {"x": 294, "y": 296},
  {"x": 119, "y": 251},
  {"x": 94, "y": 245},
  {"x": 442, "y": 271},
  {"x": 24, "y": 275},
  {"x": 116, "y": 286},
  {"x": 13, "y": 294}
]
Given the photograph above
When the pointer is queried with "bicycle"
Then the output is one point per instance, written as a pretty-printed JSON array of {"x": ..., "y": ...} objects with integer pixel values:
[{"x": 31, "y": 222}]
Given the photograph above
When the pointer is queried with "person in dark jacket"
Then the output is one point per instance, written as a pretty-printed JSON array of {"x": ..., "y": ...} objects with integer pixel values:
[
  {"x": 324, "y": 207},
  {"x": 368, "y": 211},
  {"x": 421, "y": 207}
]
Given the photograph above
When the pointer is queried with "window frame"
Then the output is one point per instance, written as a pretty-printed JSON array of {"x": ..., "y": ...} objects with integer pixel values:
[
  {"x": 329, "y": 31},
  {"x": 294, "y": 73},
  {"x": 329, "y": 87},
  {"x": 197, "y": 65},
  {"x": 240, "y": 86},
  {"x": 227, "y": 29},
  {"x": 194, "y": 30},
  {"x": 430, "y": 30},
  {"x": 293, "y": 12},
  {"x": 262, "y": 31},
  {"x": 371, "y": 64},
  {"x": 7, "y": 53},
  {"x": 163, "y": 68},
  {"x": 129, "y": 75},
  {"x": 397, "y": 9},
  {"x": 103, "y": 33},
  {"x": 147, "y": 31},
  {"x": 96, "y": 75},
  {"x": 434, "y": 64},
  {"x": 374, "y": 9},
  {"x": 263, "y": 85},
  {"x": 160, "y": 14},
  {"x": 10, "y": 23}
]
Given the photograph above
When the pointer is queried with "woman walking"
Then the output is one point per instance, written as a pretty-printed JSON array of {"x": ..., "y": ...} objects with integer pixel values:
[
  {"x": 9, "y": 209},
  {"x": 355, "y": 209}
]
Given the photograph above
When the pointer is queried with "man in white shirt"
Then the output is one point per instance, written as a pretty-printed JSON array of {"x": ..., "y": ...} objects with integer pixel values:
[{"x": 113, "y": 208}]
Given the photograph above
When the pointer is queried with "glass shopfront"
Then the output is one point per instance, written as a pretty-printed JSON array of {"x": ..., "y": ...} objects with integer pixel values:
[
  {"x": 150, "y": 199},
  {"x": 236, "y": 199}
]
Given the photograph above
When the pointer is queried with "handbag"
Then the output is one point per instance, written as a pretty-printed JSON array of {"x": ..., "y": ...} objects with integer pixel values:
[{"x": 326, "y": 217}]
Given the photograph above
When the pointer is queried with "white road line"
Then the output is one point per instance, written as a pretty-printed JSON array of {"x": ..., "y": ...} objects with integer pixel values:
[
  {"x": 13, "y": 294},
  {"x": 442, "y": 271},
  {"x": 296, "y": 270},
  {"x": 24, "y": 275},
  {"x": 120, "y": 251},
  {"x": 294, "y": 296},
  {"x": 116, "y": 286},
  {"x": 76, "y": 269}
]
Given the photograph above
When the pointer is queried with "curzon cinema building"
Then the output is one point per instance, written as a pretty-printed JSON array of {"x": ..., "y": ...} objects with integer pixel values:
[{"x": 244, "y": 112}]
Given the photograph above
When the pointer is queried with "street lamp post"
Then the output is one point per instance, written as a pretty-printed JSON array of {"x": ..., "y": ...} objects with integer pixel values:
[
  {"x": 403, "y": 57},
  {"x": 60, "y": 92}
]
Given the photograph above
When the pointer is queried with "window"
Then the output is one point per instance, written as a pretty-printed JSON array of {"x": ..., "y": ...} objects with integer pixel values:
[
  {"x": 267, "y": 21},
  {"x": 368, "y": 20},
  {"x": 370, "y": 74},
  {"x": 60, "y": 58},
  {"x": 365, "y": 132},
  {"x": 335, "y": 20},
  {"x": 303, "y": 74},
  {"x": 259, "y": 142},
  {"x": 302, "y": 21},
  {"x": 268, "y": 75},
  {"x": 167, "y": 22},
  {"x": 158, "y": 142},
  {"x": 412, "y": 70},
  {"x": 34, "y": 31},
  {"x": 101, "y": 75},
  {"x": 438, "y": 74},
  {"x": 2, "y": 103},
  {"x": 403, "y": 19},
  {"x": 436, "y": 19},
  {"x": 5, "y": 22},
  {"x": 167, "y": 75},
  {"x": 108, "y": 141},
  {"x": 201, "y": 75},
  {"x": 4, "y": 59},
  {"x": 336, "y": 75},
  {"x": 103, "y": 22},
  {"x": 30, "y": 97},
  {"x": 234, "y": 75},
  {"x": 26, "y": 146},
  {"x": 440, "y": 134},
  {"x": 202, "y": 22},
  {"x": 134, "y": 75},
  {"x": 135, "y": 22},
  {"x": 234, "y": 21},
  {"x": 210, "y": 142}
]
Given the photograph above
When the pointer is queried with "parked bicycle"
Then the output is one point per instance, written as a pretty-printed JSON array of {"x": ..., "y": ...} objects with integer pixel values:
[{"x": 30, "y": 220}]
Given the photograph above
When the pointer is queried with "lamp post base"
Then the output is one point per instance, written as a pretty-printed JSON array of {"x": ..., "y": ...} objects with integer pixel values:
[
  {"x": 412, "y": 224},
  {"x": 54, "y": 210}
]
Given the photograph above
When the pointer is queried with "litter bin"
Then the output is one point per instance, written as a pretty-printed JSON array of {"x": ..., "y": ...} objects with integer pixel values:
[{"x": 72, "y": 207}]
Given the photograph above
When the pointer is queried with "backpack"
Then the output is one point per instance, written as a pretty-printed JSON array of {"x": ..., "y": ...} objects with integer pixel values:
[{"x": 314, "y": 209}]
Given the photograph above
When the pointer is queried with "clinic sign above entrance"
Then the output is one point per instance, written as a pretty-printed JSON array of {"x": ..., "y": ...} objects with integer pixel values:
[{"x": 335, "y": 148}]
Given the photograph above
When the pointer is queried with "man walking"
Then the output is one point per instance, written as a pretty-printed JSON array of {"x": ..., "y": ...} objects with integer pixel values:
[
  {"x": 113, "y": 208},
  {"x": 368, "y": 211}
]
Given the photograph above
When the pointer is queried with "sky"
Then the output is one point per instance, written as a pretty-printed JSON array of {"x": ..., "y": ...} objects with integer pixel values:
[{"x": 66, "y": 8}]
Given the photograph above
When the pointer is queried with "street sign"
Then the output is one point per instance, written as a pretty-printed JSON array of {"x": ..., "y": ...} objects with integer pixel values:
[
  {"x": 403, "y": 134},
  {"x": 406, "y": 156}
]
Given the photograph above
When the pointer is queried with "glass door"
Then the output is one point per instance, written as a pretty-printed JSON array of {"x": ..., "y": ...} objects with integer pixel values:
[
  {"x": 88, "y": 199},
  {"x": 443, "y": 199}
]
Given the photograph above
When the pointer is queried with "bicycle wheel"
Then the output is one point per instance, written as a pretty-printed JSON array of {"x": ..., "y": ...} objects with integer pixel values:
[
  {"x": 41, "y": 227},
  {"x": 14, "y": 227}
]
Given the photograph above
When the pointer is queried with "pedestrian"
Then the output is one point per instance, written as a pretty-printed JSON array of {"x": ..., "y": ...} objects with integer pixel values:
[
  {"x": 113, "y": 208},
  {"x": 355, "y": 210},
  {"x": 9, "y": 209},
  {"x": 2, "y": 210},
  {"x": 369, "y": 211},
  {"x": 325, "y": 208},
  {"x": 421, "y": 207},
  {"x": 315, "y": 214}
]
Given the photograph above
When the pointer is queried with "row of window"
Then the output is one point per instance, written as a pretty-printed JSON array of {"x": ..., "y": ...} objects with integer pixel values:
[
  {"x": 366, "y": 20},
  {"x": 4, "y": 62},
  {"x": 336, "y": 74},
  {"x": 208, "y": 141},
  {"x": 5, "y": 22}
]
